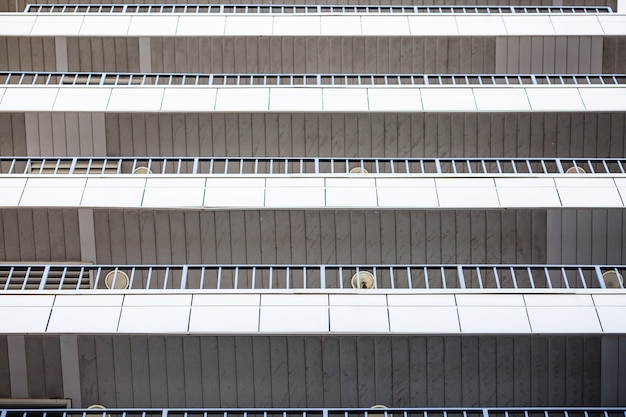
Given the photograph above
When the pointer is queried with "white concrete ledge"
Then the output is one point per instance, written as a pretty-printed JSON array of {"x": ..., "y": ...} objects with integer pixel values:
[
  {"x": 310, "y": 24},
  {"x": 450, "y": 98},
  {"x": 370, "y": 313},
  {"x": 315, "y": 191}
]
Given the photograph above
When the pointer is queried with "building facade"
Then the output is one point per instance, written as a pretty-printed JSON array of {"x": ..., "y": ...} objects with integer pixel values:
[{"x": 313, "y": 205}]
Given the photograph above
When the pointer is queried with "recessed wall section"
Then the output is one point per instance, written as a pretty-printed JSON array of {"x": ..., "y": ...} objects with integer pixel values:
[
  {"x": 46, "y": 234},
  {"x": 321, "y": 54},
  {"x": 368, "y": 135},
  {"x": 320, "y": 236},
  {"x": 417, "y": 135},
  {"x": 329, "y": 371}
]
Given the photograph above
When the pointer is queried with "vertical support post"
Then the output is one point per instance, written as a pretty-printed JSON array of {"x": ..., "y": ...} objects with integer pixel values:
[
  {"x": 44, "y": 278},
  {"x": 60, "y": 49},
  {"x": 461, "y": 277},
  {"x": 599, "y": 277},
  {"x": 183, "y": 278}
]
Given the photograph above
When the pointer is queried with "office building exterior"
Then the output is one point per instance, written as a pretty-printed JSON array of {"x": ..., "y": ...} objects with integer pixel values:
[{"x": 313, "y": 206}]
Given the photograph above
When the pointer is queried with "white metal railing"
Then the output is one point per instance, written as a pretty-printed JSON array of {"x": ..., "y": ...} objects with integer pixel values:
[
  {"x": 306, "y": 165},
  {"x": 284, "y": 276},
  {"x": 21, "y": 78},
  {"x": 322, "y": 412},
  {"x": 300, "y": 8}
]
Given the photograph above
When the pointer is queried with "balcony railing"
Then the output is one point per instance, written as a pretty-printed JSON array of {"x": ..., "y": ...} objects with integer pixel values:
[
  {"x": 272, "y": 277},
  {"x": 322, "y": 412},
  {"x": 12, "y": 78},
  {"x": 300, "y": 8},
  {"x": 307, "y": 165}
]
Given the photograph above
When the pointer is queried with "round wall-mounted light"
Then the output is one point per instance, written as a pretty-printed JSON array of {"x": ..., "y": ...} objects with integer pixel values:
[
  {"x": 575, "y": 170},
  {"x": 379, "y": 406},
  {"x": 98, "y": 407},
  {"x": 612, "y": 279},
  {"x": 117, "y": 280},
  {"x": 142, "y": 171},
  {"x": 358, "y": 170},
  {"x": 362, "y": 279}
]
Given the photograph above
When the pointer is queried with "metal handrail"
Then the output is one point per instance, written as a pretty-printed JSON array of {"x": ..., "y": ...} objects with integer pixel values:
[
  {"x": 300, "y": 8},
  {"x": 306, "y": 165},
  {"x": 24, "y": 276},
  {"x": 23, "y": 78}
]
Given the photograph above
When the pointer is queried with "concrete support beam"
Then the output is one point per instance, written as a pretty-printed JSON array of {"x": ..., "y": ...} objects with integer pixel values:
[
  {"x": 70, "y": 369},
  {"x": 17, "y": 366},
  {"x": 87, "y": 235},
  {"x": 145, "y": 58},
  {"x": 60, "y": 45}
]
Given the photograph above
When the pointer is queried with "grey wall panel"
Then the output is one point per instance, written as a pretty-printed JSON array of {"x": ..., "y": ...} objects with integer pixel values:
[
  {"x": 103, "y": 54},
  {"x": 314, "y": 134},
  {"x": 88, "y": 370},
  {"x": 39, "y": 235},
  {"x": 346, "y": 371},
  {"x": 191, "y": 371},
  {"x": 64, "y": 134},
  {"x": 12, "y": 134},
  {"x": 586, "y": 236},
  {"x": 139, "y": 364},
  {"x": 288, "y": 54},
  {"x": 372, "y": 54},
  {"x": 158, "y": 365},
  {"x": 43, "y": 353},
  {"x": 365, "y": 135},
  {"x": 122, "y": 369},
  {"x": 549, "y": 54},
  {"x": 592, "y": 379},
  {"x": 68, "y": 345},
  {"x": 5, "y": 373},
  {"x": 614, "y": 56},
  {"x": 27, "y": 53},
  {"x": 575, "y": 354},
  {"x": 16, "y": 349},
  {"x": 314, "y": 236},
  {"x": 621, "y": 391}
]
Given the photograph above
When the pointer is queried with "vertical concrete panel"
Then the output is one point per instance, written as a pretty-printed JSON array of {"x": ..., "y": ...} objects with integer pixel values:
[
  {"x": 71, "y": 371},
  {"x": 86, "y": 134},
  {"x": 5, "y": 377},
  {"x": 59, "y": 140},
  {"x": 145, "y": 56},
  {"x": 32, "y": 134},
  {"x": 60, "y": 47},
  {"x": 525, "y": 55},
  {"x": 16, "y": 348},
  {"x": 596, "y": 55},
  {"x": 46, "y": 144}
]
